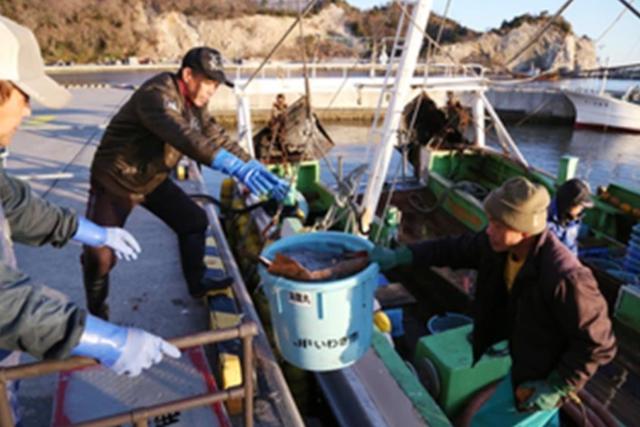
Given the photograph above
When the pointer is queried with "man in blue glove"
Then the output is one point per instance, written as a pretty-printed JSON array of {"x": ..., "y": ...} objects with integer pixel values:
[
  {"x": 531, "y": 290},
  {"x": 163, "y": 120},
  {"x": 35, "y": 319}
]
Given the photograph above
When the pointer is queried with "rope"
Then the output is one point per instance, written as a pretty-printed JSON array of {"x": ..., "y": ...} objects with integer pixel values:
[
  {"x": 306, "y": 10},
  {"x": 535, "y": 38},
  {"x": 614, "y": 22},
  {"x": 630, "y": 7}
]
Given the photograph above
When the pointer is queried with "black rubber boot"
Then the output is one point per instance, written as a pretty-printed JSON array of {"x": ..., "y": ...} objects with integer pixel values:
[
  {"x": 97, "y": 292},
  {"x": 208, "y": 284}
]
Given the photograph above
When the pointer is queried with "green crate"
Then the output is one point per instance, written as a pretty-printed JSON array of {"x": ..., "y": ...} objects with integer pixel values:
[
  {"x": 628, "y": 307},
  {"x": 451, "y": 354}
]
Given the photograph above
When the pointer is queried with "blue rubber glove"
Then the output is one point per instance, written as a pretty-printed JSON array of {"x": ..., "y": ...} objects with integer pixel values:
[
  {"x": 543, "y": 395},
  {"x": 124, "y": 350},
  {"x": 391, "y": 258},
  {"x": 120, "y": 240},
  {"x": 253, "y": 174}
]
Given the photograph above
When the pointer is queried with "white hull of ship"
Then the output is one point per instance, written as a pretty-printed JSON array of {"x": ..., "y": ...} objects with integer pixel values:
[{"x": 604, "y": 111}]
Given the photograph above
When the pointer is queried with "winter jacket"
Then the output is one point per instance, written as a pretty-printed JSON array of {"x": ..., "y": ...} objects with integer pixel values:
[
  {"x": 33, "y": 319},
  {"x": 555, "y": 318},
  {"x": 148, "y": 136}
]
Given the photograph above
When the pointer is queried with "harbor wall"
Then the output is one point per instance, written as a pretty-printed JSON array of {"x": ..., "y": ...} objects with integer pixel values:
[
  {"x": 358, "y": 103},
  {"x": 339, "y": 92}
]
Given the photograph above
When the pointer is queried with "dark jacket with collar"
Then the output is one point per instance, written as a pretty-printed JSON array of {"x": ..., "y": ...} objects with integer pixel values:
[
  {"x": 149, "y": 135},
  {"x": 554, "y": 318}
]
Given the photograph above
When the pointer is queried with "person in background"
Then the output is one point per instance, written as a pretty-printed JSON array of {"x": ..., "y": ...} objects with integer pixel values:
[
  {"x": 35, "y": 319},
  {"x": 566, "y": 211},
  {"x": 278, "y": 108},
  {"x": 532, "y": 291},
  {"x": 164, "y": 119}
]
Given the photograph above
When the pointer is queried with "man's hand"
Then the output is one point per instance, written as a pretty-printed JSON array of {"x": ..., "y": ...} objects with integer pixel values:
[
  {"x": 124, "y": 350},
  {"x": 252, "y": 174},
  {"x": 391, "y": 258},
  {"x": 542, "y": 395},
  {"x": 120, "y": 240}
]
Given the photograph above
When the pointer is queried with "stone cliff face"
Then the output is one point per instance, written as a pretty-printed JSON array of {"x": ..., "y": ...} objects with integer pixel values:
[
  {"x": 556, "y": 50},
  {"x": 115, "y": 30},
  {"x": 171, "y": 34}
]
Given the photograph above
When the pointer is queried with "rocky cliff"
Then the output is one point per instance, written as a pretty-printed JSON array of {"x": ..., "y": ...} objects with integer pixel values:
[{"x": 105, "y": 30}]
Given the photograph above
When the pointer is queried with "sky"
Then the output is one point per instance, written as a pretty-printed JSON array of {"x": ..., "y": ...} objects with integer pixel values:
[{"x": 621, "y": 45}]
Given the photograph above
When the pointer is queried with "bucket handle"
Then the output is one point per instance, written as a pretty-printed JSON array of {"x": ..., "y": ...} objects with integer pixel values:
[{"x": 320, "y": 305}]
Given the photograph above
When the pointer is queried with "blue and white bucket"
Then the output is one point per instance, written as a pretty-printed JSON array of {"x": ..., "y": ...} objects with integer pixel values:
[{"x": 321, "y": 326}]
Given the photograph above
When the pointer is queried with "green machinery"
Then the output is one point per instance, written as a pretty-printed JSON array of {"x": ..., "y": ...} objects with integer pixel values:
[{"x": 450, "y": 354}]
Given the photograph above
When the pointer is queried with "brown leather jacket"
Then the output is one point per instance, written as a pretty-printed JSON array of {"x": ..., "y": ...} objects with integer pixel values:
[
  {"x": 554, "y": 318},
  {"x": 150, "y": 133}
]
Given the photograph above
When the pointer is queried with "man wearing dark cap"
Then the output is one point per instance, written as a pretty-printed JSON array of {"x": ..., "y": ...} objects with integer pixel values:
[
  {"x": 566, "y": 210},
  {"x": 163, "y": 120},
  {"x": 530, "y": 290}
]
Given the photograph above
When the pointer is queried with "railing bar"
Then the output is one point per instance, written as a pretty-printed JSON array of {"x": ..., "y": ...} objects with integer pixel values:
[
  {"x": 247, "y": 371},
  {"x": 51, "y": 366},
  {"x": 164, "y": 408},
  {"x": 6, "y": 415}
]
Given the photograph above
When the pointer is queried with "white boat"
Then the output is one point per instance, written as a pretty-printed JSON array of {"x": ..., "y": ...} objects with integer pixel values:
[{"x": 604, "y": 110}]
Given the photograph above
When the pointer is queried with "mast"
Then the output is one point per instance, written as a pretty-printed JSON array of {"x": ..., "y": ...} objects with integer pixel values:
[{"x": 413, "y": 42}]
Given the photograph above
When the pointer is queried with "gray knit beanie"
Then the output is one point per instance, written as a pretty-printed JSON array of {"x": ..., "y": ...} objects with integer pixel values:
[{"x": 520, "y": 205}]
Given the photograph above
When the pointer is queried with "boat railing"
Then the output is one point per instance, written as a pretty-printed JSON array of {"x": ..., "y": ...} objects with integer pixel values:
[
  {"x": 139, "y": 417},
  {"x": 353, "y": 70}
]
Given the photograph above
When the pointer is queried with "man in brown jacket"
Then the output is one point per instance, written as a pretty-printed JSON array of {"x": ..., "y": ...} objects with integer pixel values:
[
  {"x": 532, "y": 291},
  {"x": 163, "y": 120}
]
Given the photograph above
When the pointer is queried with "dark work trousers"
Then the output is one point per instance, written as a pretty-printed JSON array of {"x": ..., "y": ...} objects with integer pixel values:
[{"x": 169, "y": 203}]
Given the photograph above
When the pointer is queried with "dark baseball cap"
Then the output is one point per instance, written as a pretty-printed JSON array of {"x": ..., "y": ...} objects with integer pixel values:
[
  {"x": 207, "y": 61},
  {"x": 575, "y": 192}
]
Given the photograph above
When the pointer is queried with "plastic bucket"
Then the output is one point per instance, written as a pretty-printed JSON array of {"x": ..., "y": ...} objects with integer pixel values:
[
  {"x": 441, "y": 323},
  {"x": 321, "y": 326}
]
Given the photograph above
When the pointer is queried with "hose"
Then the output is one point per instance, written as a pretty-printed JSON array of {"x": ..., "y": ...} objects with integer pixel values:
[{"x": 211, "y": 199}]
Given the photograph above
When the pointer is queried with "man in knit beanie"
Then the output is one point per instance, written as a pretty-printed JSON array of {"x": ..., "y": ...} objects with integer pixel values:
[{"x": 530, "y": 290}]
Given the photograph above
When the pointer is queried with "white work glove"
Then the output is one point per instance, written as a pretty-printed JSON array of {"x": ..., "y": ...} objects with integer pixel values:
[
  {"x": 141, "y": 351},
  {"x": 123, "y": 243},
  {"x": 124, "y": 350},
  {"x": 120, "y": 240}
]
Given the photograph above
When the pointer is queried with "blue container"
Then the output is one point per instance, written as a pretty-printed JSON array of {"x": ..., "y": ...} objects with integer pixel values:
[
  {"x": 395, "y": 315},
  {"x": 321, "y": 326},
  {"x": 441, "y": 323}
]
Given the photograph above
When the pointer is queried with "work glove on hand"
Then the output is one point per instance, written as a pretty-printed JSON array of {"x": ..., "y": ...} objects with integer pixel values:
[
  {"x": 124, "y": 350},
  {"x": 252, "y": 174},
  {"x": 391, "y": 258},
  {"x": 542, "y": 395},
  {"x": 120, "y": 240}
]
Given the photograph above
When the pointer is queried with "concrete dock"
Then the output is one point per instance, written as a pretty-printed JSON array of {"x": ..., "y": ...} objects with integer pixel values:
[{"x": 149, "y": 293}]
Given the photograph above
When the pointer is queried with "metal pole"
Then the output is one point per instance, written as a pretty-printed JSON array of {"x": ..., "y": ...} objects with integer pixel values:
[
  {"x": 6, "y": 415},
  {"x": 143, "y": 414},
  {"x": 36, "y": 369},
  {"x": 411, "y": 50}
]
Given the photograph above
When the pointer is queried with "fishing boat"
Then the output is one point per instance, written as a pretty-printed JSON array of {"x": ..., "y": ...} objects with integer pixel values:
[
  {"x": 603, "y": 110},
  {"x": 411, "y": 375},
  {"x": 409, "y": 380}
]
